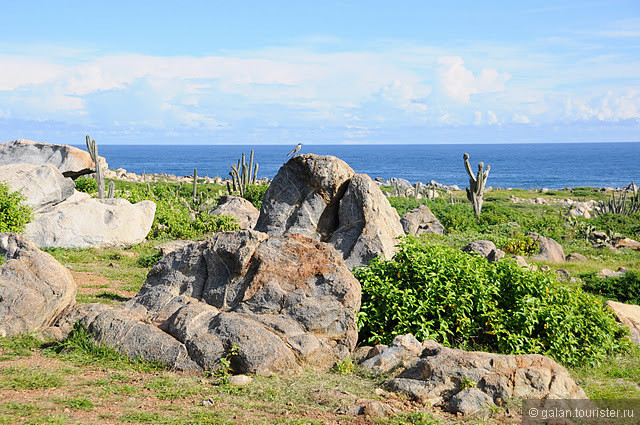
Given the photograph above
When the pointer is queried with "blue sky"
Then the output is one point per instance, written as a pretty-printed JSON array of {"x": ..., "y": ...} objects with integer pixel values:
[{"x": 258, "y": 72}]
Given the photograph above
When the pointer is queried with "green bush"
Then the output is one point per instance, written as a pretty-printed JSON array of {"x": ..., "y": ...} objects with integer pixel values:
[
  {"x": 456, "y": 218},
  {"x": 440, "y": 293},
  {"x": 403, "y": 204},
  {"x": 255, "y": 193},
  {"x": 625, "y": 288},
  {"x": 627, "y": 225},
  {"x": 14, "y": 215},
  {"x": 522, "y": 245},
  {"x": 86, "y": 184}
]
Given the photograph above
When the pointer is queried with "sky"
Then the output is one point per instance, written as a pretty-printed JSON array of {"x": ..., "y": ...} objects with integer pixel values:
[{"x": 320, "y": 72}]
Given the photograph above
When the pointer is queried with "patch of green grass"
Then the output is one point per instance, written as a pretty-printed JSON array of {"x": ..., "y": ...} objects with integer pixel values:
[
  {"x": 18, "y": 346},
  {"x": 23, "y": 378},
  {"x": 80, "y": 348},
  {"x": 616, "y": 378},
  {"x": 79, "y": 403},
  {"x": 51, "y": 419},
  {"x": 413, "y": 418},
  {"x": 169, "y": 388},
  {"x": 20, "y": 409}
]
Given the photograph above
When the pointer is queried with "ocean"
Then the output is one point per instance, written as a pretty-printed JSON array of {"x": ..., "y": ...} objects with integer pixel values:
[{"x": 526, "y": 166}]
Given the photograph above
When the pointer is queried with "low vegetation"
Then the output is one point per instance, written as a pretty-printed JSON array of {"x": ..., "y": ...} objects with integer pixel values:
[{"x": 14, "y": 214}]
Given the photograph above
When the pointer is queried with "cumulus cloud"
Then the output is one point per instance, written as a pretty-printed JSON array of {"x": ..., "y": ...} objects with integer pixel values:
[{"x": 459, "y": 83}]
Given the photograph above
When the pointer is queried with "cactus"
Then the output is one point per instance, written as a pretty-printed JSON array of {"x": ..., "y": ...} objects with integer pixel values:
[
  {"x": 195, "y": 183},
  {"x": 112, "y": 189},
  {"x": 241, "y": 175},
  {"x": 476, "y": 189},
  {"x": 623, "y": 204},
  {"x": 92, "y": 147}
]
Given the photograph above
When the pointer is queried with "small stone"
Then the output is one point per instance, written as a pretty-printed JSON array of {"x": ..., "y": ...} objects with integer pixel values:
[
  {"x": 240, "y": 380},
  {"x": 208, "y": 402}
]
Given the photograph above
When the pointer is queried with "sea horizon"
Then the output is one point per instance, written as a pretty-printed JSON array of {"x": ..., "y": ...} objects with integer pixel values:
[{"x": 517, "y": 165}]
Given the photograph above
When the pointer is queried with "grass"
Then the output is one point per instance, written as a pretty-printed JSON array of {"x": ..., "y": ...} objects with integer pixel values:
[
  {"x": 29, "y": 378},
  {"x": 615, "y": 378}
]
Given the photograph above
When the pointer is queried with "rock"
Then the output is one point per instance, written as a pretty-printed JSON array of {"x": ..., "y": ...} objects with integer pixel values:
[
  {"x": 41, "y": 185},
  {"x": 167, "y": 248},
  {"x": 239, "y": 208},
  {"x": 396, "y": 181},
  {"x": 469, "y": 401},
  {"x": 383, "y": 359},
  {"x": 71, "y": 162},
  {"x": 628, "y": 315},
  {"x": 320, "y": 197},
  {"x": 522, "y": 261},
  {"x": 487, "y": 249},
  {"x": 368, "y": 225},
  {"x": 628, "y": 243},
  {"x": 282, "y": 301},
  {"x": 421, "y": 221},
  {"x": 35, "y": 289},
  {"x": 240, "y": 380},
  {"x": 550, "y": 250},
  {"x": 440, "y": 373},
  {"x": 604, "y": 273},
  {"x": 92, "y": 222},
  {"x": 574, "y": 256}
]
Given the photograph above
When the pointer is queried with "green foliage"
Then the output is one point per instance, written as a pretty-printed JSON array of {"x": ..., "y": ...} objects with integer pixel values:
[
  {"x": 86, "y": 184},
  {"x": 178, "y": 216},
  {"x": 344, "y": 366},
  {"x": 436, "y": 292},
  {"x": 254, "y": 193},
  {"x": 14, "y": 215},
  {"x": 403, "y": 204},
  {"x": 149, "y": 259},
  {"x": 23, "y": 378},
  {"x": 625, "y": 288},
  {"x": 627, "y": 225},
  {"x": 522, "y": 245},
  {"x": 18, "y": 346},
  {"x": 456, "y": 218}
]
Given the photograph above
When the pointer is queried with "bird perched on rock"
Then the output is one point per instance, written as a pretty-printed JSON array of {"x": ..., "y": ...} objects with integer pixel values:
[{"x": 296, "y": 149}]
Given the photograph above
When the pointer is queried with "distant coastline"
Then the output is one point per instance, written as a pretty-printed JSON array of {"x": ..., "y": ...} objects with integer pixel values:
[{"x": 526, "y": 166}]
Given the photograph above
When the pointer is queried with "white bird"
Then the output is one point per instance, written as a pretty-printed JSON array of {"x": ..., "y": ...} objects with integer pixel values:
[{"x": 296, "y": 149}]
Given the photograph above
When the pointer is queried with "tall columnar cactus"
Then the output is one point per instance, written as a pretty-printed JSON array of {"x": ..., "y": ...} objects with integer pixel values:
[
  {"x": 112, "y": 190},
  {"x": 241, "y": 175},
  {"x": 92, "y": 147},
  {"x": 476, "y": 189},
  {"x": 195, "y": 183}
]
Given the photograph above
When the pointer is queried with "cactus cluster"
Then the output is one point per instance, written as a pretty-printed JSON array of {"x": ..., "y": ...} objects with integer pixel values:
[
  {"x": 92, "y": 147},
  {"x": 476, "y": 189},
  {"x": 626, "y": 203},
  {"x": 242, "y": 175}
]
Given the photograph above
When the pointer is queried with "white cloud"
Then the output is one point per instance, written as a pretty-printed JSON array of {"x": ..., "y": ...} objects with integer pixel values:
[
  {"x": 492, "y": 118},
  {"x": 521, "y": 118},
  {"x": 459, "y": 83}
]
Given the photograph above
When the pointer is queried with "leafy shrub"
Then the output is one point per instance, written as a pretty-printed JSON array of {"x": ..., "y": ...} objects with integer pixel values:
[
  {"x": 437, "y": 292},
  {"x": 403, "y": 204},
  {"x": 149, "y": 259},
  {"x": 522, "y": 245},
  {"x": 627, "y": 225},
  {"x": 174, "y": 218},
  {"x": 14, "y": 215},
  {"x": 625, "y": 288},
  {"x": 255, "y": 193},
  {"x": 456, "y": 218},
  {"x": 86, "y": 184}
]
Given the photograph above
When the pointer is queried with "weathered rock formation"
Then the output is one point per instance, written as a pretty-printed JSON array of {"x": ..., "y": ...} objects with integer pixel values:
[
  {"x": 239, "y": 208},
  {"x": 322, "y": 198},
  {"x": 41, "y": 185},
  {"x": 72, "y": 162},
  {"x": 550, "y": 250},
  {"x": 628, "y": 315},
  {"x": 282, "y": 301},
  {"x": 83, "y": 222},
  {"x": 485, "y": 248},
  {"x": 421, "y": 221},
  {"x": 35, "y": 289},
  {"x": 465, "y": 381}
]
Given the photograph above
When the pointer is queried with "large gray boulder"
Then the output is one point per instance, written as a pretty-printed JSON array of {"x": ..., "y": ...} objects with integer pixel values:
[
  {"x": 239, "y": 208},
  {"x": 41, "y": 185},
  {"x": 84, "y": 222},
  {"x": 420, "y": 221},
  {"x": 467, "y": 381},
  {"x": 550, "y": 250},
  {"x": 35, "y": 289},
  {"x": 282, "y": 301},
  {"x": 72, "y": 162},
  {"x": 485, "y": 248},
  {"x": 322, "y": 198}
]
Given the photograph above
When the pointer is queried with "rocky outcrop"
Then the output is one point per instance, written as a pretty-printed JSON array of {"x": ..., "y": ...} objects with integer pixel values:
[
  {"x": 71, "y": 162},
  {"x": 83, "y": 222},
  {"x": 239, "y": 208},
  {"x": 421, "y": 221},
  {"x": 281, "y": 301},
  {"x": 466, "y": 381},
  {"x": 628, "y": 315},
  {"x": 487, "y": 249},
  {"x": 550, "y": 250},
  {"x": 41, "y": 185},
  {"x": 575, "y": 257},
  {"x": 35, "y": 289},
  {"x": 322, "y": 198},
  {"x": 628, "y": 243}
]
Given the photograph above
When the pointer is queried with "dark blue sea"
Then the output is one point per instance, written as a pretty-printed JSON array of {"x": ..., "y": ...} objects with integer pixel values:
[{"x": 512, "y": 165}]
